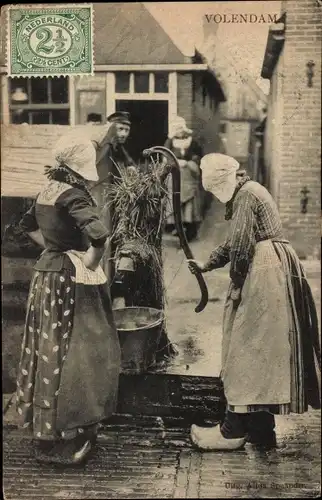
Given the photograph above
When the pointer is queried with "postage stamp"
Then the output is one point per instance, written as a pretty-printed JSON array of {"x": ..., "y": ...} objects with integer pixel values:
[{"x": 50, "y": 40}]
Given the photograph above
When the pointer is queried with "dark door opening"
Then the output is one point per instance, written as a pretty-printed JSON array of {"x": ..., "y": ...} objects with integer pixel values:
[{"x": 149, "y": 125}]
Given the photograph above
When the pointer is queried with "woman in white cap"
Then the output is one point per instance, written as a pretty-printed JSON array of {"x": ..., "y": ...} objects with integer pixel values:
[
  {"x": 188, "y": 152},
  {"x": 270, "y": 345},
  {"x": 70, "y": 360}
]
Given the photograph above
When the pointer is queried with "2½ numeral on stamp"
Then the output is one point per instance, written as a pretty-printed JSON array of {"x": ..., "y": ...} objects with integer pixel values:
[{"x": 50, "y": 41}]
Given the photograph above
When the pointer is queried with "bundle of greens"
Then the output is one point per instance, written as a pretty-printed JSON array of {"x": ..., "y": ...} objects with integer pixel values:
[{"x": 138, "y": 197}]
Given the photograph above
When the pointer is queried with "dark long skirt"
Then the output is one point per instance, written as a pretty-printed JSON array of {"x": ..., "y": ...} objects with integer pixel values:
[
  {"x": 306, "y": 352},
  {"x": 276, "y": 327},
  {"x": 70, "y": 359}
]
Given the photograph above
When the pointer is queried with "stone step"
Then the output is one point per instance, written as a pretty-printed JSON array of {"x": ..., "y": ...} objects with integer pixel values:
[
  {"x": 177, "y": 397},
  {"x": 159, "y": 400}
]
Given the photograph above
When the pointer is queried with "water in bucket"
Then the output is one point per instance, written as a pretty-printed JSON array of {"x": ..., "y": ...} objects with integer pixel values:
[{"x": 139, "y": 330}]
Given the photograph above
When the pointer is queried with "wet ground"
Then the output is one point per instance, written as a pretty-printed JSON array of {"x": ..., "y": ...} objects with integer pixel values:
[
  {"x": 148, "y": 460},
  {"x": 197, "y": 335}
]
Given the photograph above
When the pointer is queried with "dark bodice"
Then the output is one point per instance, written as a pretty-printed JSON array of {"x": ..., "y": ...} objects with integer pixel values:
[{"x": 67, "y": 219}]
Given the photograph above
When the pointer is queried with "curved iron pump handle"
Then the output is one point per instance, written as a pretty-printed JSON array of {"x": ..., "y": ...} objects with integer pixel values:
[{"x": 175, "y": 170}]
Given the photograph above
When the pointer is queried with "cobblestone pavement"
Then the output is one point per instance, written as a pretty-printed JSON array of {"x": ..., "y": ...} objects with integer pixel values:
[{"x": 151, "y": 461}]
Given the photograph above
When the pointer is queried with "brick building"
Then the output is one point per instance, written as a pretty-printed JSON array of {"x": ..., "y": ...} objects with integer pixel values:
[{"x": 292, "y": 131}]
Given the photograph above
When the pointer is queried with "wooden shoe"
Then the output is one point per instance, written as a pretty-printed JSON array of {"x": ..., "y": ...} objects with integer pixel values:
[
  {"x": 73, "y": 452},
  {"x": 210, "y": 438},
  {"x": 81, "y": 455}
]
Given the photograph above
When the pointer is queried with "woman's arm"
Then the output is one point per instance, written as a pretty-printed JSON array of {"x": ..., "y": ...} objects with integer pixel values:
[
  {"x": 242, "y": 237},
  {"x": 94, "y": 254},
  {"x": 37, "y": 237},
  {"x": 239, "y": 248},
  {"x": 87, "y": 219},
  {"x": 93, "y": 257},
  {"x": 218, "y": 258},
  {"x": 29, "y": 225},
  {"x": 193, "y": 167}
]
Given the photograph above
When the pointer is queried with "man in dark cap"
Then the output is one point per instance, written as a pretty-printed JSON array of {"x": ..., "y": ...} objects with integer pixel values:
[
  {"x": 111, "y": 155},
  {"x": 111, "y": 152},
  {"x": 120, "y": 117},
  {"x": 112, "y": 147}
]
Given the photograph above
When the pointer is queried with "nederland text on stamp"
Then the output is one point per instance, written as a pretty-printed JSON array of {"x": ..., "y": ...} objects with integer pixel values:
[{"x": 50, "y": 41}]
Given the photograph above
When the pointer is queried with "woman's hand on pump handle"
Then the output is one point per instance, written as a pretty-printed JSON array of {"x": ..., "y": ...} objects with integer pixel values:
[{"x": 196, "y": 266}]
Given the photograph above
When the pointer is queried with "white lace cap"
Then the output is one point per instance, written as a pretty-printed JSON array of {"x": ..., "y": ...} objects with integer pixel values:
[
  {"x": 178, "y": 124},
  {"x": 219, "y": 175},
  {"x": 78, "y": 154}
]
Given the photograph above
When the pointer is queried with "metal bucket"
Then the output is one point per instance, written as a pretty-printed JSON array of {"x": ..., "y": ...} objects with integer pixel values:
[{"x": 139, "y": 330}]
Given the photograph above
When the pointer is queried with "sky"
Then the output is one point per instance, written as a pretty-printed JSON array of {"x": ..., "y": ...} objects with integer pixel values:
[{"x": 246, "y": 42}]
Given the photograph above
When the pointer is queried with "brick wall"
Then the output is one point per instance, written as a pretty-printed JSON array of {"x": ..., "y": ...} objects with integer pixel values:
[
  {"x": 184, "y": 92},
  {"x": 301, "y": 141},
  {"x": 206, "y": 120},
  {"x": 297, "y": 130},
  {"x": 201, "y": 116}
]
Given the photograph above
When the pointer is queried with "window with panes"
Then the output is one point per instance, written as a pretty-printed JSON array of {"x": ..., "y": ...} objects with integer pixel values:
[
  {"x": 38, "y": 101},
  {"x": 141, "y": 82}
]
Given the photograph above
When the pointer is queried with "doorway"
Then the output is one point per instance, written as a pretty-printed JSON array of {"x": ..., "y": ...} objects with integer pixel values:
[{"x": 149, "y": 124}]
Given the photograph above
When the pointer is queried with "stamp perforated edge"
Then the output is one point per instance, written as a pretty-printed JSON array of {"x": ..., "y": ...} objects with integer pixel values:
[{"x": 6, "y": 25}]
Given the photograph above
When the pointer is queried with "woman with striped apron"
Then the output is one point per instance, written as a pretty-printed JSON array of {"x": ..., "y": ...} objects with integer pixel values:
[
  {"x": 270, "y": 344},
  {"x": 70, "y": 360}
]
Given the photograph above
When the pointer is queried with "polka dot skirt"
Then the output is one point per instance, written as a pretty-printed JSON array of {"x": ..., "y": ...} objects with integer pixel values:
[{"x": 48, "y": 327}]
